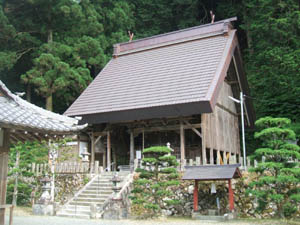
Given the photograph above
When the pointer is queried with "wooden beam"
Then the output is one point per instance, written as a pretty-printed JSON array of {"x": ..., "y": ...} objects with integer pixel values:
[
  {"x": 217, "y": 130},
  {"x": 231, "y": 82},
  {"x": 193, "y": 128},
  {"x": 203, "y": 131},
  {"x": 4, "y": 151},
  {"x": 102, "y": 133},
  {"x": 108, "y": 151},
  {"x": 165, "y": 128},
  {"x": 104, "y": 160},
  {"x": 143, "y": 141},
  {"x": 240, "y": 85},
  {"x": 227, "y": 110},
  {"x": 97, "y": 139}
]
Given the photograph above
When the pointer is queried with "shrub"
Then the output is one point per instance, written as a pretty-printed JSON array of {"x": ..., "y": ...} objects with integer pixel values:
[
  {"x": 152, "y": 191},
  {"x": 278, "y": 182}
]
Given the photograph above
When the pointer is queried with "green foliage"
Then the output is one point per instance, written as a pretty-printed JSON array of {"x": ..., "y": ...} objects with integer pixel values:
[
  {"x": 279, "y": 175},
  {"x": 30, "y": 152},
  {"x": 272, "y": 56},
  {"x": 59, "y": 45},
  {"x": 152, "y": 190}
]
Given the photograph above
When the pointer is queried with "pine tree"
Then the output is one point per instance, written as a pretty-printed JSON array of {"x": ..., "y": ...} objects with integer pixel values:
[
  {"x": 278, "y": 180},
  {"x": 152, "y": 189},
  {"x": 74, "y": 38}
]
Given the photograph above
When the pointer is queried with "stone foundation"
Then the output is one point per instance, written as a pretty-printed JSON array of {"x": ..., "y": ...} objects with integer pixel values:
[{"x": 43, "y": 210}]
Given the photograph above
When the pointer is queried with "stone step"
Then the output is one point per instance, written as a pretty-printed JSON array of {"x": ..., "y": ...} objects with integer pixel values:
[
  {"x": 86, "y": 203},
  {"x": 96, "y": 188},
  {"x": 81, "y": 208},
  {"x": 102, "y": 184},
  {"x": 76, "y": 211},
  {"x": 80, "y": 199},
  {"x": 96, "y": 195},
  {"x": 95, "y": 192},
  {"x": 77, "y": 215}
]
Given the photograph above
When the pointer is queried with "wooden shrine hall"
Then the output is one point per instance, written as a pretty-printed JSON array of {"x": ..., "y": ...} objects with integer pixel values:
[
  {"x": 21, "y": 121},
  {"x": 213, "y": 173},
  {"x": 170, "y": 88}
]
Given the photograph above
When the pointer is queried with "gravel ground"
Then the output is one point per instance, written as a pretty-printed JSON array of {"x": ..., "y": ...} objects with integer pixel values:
[
  {"x": 23, "y": 216},
  {"x": 52, "y": 220}
]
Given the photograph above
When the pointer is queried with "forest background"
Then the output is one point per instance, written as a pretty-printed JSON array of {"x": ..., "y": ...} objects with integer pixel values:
[{"x": 52, "y": 49}]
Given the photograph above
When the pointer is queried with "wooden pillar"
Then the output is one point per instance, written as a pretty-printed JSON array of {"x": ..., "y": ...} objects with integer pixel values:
[
  {"x": 196, "y": 196},
  {"x": 217, "y": 130},
  {"x": 203, "y": 131},
  {"x": 143, "y": 140},
  {"x": 92, "y": 148},
  {"x": 182, "y": 145},
  {"x": 131, "y": 162},
  {"x": 115, "y": 160},
  {"x": 104, "y": 159},
  {"x": 211, "y": 156},
  {"x": 231, "y": 198},
  {"x": 78, "y": 144},
  {"x": 4, "y": 149},
  {"x": 108, "y": 151}
]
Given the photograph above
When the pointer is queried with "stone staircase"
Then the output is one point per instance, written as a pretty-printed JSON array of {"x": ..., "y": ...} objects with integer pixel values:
[{"x": 95, "y": 192}]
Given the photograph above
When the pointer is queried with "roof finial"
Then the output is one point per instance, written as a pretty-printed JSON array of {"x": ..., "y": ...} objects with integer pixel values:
[
  {"x": 130, "y": 36},
  {"x": 212, "y": 15}
]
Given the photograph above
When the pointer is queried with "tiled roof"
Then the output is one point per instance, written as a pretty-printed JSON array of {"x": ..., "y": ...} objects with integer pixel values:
[
  {"x": 212, "y": 172},
  {"x": 177, "y": 68},
  {"x": 18, "y": 114}
]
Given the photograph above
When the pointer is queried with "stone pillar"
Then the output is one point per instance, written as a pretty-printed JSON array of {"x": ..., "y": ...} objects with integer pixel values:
[{"x": 4, "y": 149}]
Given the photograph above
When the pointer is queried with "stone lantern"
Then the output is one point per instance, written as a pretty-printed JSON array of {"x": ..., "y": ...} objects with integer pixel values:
[
  {"x": 45, "y": 198},
  {"x": 116, "y": 183},
  {"x": 44, "y": 205},
  {"x": 85, "y": 155}
]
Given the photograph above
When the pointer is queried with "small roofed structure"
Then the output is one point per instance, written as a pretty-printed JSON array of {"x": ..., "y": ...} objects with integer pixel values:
[
  {"x": 22, "y": 121},
  {"x": 212, "y": 173}
]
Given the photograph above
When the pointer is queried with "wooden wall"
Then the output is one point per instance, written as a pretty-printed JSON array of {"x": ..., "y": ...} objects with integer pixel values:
[
  {"x": 220, "y": 129},
  {"x": 3, "y": 172}
]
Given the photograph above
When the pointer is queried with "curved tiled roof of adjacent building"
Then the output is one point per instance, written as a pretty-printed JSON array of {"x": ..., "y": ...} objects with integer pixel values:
[{"x": 20, "y": 115}]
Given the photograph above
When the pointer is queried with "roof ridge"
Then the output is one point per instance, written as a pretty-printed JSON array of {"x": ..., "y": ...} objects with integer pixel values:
[{"x": 221, "y": 26}]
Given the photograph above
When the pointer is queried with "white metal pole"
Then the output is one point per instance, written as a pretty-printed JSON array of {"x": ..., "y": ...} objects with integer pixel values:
[{"x": 243, "y": 129}]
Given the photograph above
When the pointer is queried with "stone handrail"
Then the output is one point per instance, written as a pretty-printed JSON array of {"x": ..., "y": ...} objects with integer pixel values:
[{"x": 121, "y": 195}]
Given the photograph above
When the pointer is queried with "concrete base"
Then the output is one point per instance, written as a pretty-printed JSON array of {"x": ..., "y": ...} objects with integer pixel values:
[
  {"x": 40, "y": 209},
  {"x": 225, "y": 217}
]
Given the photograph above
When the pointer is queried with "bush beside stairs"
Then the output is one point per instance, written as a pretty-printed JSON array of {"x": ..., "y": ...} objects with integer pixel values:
[{"x": 96, "y": 192}]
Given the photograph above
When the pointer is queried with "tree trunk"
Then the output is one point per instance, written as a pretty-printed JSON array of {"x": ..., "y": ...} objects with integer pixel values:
[
  {"x": 49, "y": 105},
  {"x": 50, "y": 36},
  {"x": 28, "y": 93}
]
